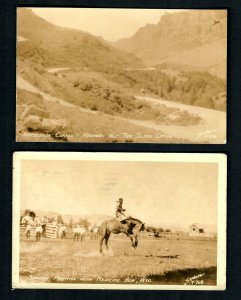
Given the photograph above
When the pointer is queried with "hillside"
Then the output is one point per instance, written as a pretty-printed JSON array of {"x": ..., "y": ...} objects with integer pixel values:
[
  {"x": 52, "y": 46},
  {"x": 196, "y": 38}
]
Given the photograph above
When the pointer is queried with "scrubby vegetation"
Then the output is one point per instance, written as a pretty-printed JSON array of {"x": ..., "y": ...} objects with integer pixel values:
[
  {"x": 97, "y": 94},
  {"x": 192, "y": 88}
]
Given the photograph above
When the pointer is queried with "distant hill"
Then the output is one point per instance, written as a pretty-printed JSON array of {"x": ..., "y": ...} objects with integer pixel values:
[
  {"x": 51, "y": 45},
  {"x": 95, "y": 218},
  {"x": 195, "y": 38},
  {"x": 99, "y": 218}
]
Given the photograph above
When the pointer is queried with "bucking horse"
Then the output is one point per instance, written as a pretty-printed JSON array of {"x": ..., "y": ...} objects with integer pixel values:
[{"x": 131, "y": 229}]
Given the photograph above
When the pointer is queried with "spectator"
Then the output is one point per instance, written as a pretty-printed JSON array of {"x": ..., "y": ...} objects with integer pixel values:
[
  {"x": 38, "y": 232},
  {"x": 76, "y": 231},
  {"x": 27, "y": 230},
  {"x": 63, "y": 230}
]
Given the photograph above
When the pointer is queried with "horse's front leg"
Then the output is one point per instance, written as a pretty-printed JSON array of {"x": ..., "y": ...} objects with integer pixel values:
[
  {"x": 132, "y": 242},
  {"x": 106, "y": 241},
  {"x": 101, "y": 242},
  {"x": 136, "y": 241},
  {"x": 131, "y": 238}
]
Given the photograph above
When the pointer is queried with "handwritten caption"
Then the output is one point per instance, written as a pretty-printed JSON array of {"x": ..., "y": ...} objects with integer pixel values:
[
  {"x": 208, "y": 134},
  {"x": 96, "y": 279},
  {"x": 88, "y": 135}
]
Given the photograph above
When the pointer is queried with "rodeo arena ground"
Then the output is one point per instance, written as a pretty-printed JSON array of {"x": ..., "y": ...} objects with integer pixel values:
[{"x": 52, "y": 252}]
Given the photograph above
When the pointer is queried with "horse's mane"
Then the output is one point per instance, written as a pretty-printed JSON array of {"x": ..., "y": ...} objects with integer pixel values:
[{"x": 135, "y": 220}]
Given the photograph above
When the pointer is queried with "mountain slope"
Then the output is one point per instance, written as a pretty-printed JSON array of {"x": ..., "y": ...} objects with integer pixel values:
[
  {"x": 196, "y": 37},
  {"x": 56, "y": 46}
]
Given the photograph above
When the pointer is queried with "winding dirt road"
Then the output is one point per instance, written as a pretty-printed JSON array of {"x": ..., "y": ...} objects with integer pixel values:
[{"x": 212, "y": 128}]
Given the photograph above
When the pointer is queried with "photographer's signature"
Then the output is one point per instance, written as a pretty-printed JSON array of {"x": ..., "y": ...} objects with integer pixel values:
[
  {"x": 196, "y": 279},
  {"x": 209, "y": 134}
]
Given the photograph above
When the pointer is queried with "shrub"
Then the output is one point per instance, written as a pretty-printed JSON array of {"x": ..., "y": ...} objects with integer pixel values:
[
  {"x": 86, "y": 86},
  {"x": 76, "y": 84}
]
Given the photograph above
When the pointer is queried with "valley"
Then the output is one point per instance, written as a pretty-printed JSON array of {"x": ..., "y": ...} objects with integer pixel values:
[{"x": 75, "y": 87}]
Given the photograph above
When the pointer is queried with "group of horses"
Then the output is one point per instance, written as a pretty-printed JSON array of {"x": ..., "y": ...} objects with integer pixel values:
[{"x": 131, "y": 228}]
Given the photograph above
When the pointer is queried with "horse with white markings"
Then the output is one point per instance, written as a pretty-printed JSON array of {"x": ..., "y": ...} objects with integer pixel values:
[{"x": 131, "y": 229}]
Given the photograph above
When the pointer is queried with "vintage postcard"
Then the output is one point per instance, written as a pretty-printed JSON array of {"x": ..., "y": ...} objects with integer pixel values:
[
  {"x": 119, "y": 221},
  {"x": 121, "y": 75}
]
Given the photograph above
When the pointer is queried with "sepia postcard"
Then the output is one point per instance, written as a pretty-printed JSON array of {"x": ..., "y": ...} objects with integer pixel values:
[
  {"x": 119, "y": 221},
  {"x": 106, "y": 75}
]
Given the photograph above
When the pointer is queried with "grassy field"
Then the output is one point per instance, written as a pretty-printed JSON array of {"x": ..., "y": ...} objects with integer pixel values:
[{"x": 160, "y": 261}]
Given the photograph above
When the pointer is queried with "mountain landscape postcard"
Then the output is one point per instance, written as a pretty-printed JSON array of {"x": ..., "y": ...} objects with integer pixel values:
[{"x": 121, "y": 75}]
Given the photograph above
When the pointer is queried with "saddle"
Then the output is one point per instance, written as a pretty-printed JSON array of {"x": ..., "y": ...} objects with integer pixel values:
[{"x": 127, "y": 225}]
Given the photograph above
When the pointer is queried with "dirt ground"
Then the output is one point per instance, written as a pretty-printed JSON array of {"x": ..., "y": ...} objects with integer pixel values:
[{"x": 159, "y": 261}]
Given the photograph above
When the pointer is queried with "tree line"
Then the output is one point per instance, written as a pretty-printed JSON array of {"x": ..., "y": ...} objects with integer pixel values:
[{"x": 193, "y": 88}]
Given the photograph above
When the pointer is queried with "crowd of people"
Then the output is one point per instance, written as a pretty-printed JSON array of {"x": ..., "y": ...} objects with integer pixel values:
[
  {"x": 32, "y": 221},
  {"x": 38, "y": 225},
  {"x": 79, "y": 231}
]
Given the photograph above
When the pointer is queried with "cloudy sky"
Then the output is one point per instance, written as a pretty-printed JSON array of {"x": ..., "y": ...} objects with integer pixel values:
[
  {"x": 155, "y": 192},
  {"x": 111, "y": 24}
]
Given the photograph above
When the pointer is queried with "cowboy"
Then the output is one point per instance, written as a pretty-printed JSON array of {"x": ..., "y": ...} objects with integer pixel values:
[{"x": 119, "y": 212}]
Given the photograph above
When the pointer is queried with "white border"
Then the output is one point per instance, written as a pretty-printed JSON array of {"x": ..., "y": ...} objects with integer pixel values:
[{"x": 221, "y": 159}]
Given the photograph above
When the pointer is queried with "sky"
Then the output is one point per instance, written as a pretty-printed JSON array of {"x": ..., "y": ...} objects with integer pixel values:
[
  {"x": 156, "y": 192},
  {"x": 111, "y": 24}
]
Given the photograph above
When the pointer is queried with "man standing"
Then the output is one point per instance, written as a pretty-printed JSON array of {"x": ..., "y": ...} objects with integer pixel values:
[
  {"x": 38, "y": 232},
  {"x": 28, "y": 230},
  {"x": 76, "y": 231},
  {"x": 63, "y": 229}
]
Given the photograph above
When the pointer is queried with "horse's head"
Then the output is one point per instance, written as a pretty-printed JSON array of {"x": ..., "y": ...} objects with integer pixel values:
[
  {"x": 142, "y": 228},
  {"x": 137, "y": 224}
]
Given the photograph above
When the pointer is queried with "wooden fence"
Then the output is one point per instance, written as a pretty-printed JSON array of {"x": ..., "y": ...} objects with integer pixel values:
[
  {"x": 177, "y": 236},
  {"x": 23, "y": 228},
  {"x": 51, "y": 230}
]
